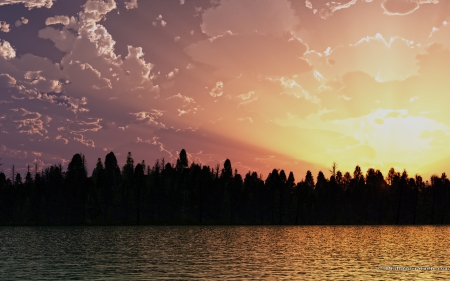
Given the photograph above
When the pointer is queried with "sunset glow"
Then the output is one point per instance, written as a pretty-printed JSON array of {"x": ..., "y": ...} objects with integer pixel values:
[{"x": 293, "y": 85}]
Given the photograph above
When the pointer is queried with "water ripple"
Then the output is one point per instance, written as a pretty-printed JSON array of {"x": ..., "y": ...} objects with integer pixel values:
[{"x": 223, "y": 253}]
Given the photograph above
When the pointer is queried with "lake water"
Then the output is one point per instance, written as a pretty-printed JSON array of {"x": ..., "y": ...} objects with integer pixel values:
[{"x": 225, "y": 253}]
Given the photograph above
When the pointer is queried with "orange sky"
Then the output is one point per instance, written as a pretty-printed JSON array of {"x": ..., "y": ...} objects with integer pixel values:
[{"x": 293, "y": 85}]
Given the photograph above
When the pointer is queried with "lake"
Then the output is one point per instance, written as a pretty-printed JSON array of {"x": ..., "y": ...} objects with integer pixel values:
[{"x": 225, "y": 253}]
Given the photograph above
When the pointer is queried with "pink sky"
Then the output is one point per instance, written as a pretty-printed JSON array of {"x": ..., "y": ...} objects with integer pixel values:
[{"x": 292, "y": 85}]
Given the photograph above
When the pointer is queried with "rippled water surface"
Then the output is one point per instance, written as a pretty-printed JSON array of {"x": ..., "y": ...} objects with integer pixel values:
[{"x": 223, "y": 253}]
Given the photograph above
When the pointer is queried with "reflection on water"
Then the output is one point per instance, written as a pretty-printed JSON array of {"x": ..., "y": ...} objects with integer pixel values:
[{"x": 223, "y": 252}]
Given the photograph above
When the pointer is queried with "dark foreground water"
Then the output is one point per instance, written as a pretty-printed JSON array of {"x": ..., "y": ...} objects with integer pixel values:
[{"x": 225, "y": 253}]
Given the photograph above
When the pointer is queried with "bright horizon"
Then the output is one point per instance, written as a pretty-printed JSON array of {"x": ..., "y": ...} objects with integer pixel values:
[{"x": 268, "y": 84}]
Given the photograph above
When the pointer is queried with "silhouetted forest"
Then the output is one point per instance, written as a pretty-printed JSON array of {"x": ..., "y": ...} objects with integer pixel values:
[{"x": 194, "y": 194}]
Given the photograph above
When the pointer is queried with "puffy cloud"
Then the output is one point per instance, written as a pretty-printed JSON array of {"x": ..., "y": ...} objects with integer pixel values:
[
  {"x": 135, "y": 66},
  {"x": 63, "y": 39},
  {"x": 21, "y": 21},
  {"x": 269, "y": 17},
  {"x": 4, "y": 27},
  {"x": 132, "y": 4},
  {"x": 80, "y": 73},
  {"x": 6, "y": 51},
  {"x": 252, "y": 53},
  {"x": 24, "y": 66},
  {"x": 6, "y": 80},
  {"x": 35, "y": 81},
  {"x": 57, "y": 20},
  {"x": 30, "y": 4},
  {"x": 95, "y": 10},
  {"x": 92, "y": 53}
]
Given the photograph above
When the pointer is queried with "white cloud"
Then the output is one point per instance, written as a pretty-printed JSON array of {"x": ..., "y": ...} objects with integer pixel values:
[
  {"x": 4, "y": 27},
  {"x": 217, "y": 91},
  {"x": 171, "y": 74},
  {"x": 6, "y": 51},
  {"x": 132, "y": 4},
  {"x": 57, "y": 20},
  {"x": 29, "y": 122},
  {"x": 148, "y": 117},
  {"x": 247, "y": 95},
  {"x": 30, "y": 4},
  {"x": 403, "y": 7},
  {"x": 399, "y": 7},
  {"x": 95, "y": 10}
]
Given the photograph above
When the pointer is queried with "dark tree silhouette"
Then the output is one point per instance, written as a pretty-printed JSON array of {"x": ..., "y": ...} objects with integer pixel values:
[{"x": 189, "y": 193}]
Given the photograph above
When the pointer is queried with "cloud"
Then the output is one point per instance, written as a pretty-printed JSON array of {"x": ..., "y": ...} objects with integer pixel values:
[
  {"x": 31, "y": 73},
  {"x": 64, "y": 20},
  {"x": 63, "y": 39},
  {"x": 30, "y": 4},
  {"x": 437, "y": 138},
  {"x": 186, "y": 100},
  {"x": 148, "y": 117},
  {"x": 326, "y": 8},
  {"x": 95, "y": 10},
  {"x": 234, "y": 54},
  {"x": 4, "y": 27},
  {"x": 6, "y": 51},
  {"x": 392, "y": 59},
  {"x": 29, "y": 122},
  {"x": 217, "y": 91},
  {"x": 267, "y": 17},
  {"x": 6, "y": 80},
  {"x": 247, "y": 96},
  {"x": 21, "y": 21},
  {"x": 403, "y": 7},
  {"x": 84, "y": 72},
  {"x": 364, "y": 94},
  {"x": 132, "y": 4}
]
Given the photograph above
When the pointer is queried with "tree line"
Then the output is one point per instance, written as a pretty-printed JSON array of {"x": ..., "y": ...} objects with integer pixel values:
[{"x": 180, "y": 193}]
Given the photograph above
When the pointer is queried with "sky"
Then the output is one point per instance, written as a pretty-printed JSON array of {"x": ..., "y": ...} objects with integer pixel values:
[{"x": 268, "y": 84}]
